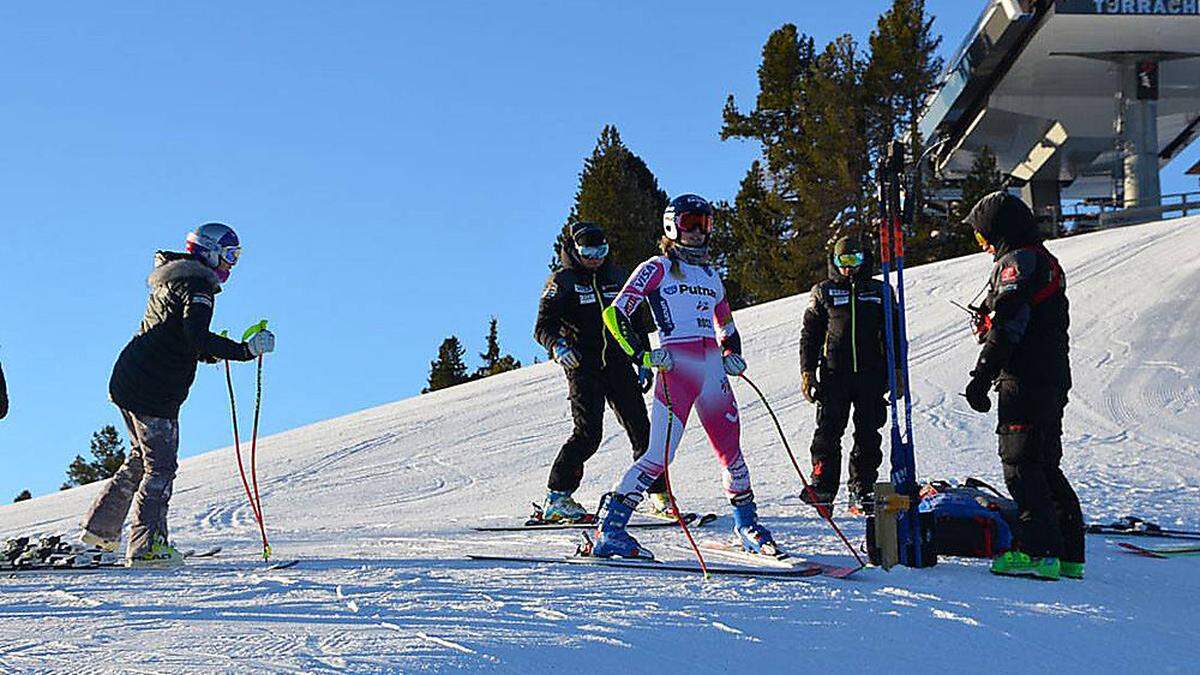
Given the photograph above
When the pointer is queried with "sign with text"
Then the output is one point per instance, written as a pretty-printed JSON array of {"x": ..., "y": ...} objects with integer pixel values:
[{"x": 1129, "y": 7}]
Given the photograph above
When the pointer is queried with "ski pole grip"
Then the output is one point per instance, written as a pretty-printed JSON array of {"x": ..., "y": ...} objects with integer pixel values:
[{"x": 254, "y": 330}]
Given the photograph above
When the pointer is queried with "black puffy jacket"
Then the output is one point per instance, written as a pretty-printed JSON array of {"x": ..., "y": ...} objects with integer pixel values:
[
  {"x": 572, "y": 305},
  {"x": 843, "y": 327},
  {"x": 154, "y": 372},
  {"x": 1027, "y": 297}
]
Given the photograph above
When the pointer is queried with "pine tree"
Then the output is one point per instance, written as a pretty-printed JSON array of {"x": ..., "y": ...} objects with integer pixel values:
[
  {"x": 809, "y": 121},
  {"x": 493, "y": 362},
  {"x": 449, "y": 369},
  {"x": 108, "y": 454},
  {"x": 23, "y": 496},
  {"x": 902, "y": 73},
  {"x": 618, "y": 192}
]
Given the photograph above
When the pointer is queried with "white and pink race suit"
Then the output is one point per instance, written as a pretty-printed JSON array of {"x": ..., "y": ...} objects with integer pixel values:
[{"x": 695, "y": 325}]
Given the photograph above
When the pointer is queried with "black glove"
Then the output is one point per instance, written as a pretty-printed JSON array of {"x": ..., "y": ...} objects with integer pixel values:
[{"x": 977, "y": 393}]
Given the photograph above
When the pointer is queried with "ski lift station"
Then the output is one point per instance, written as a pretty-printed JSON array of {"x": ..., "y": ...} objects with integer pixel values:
[{"x": 1081, "y": 101}]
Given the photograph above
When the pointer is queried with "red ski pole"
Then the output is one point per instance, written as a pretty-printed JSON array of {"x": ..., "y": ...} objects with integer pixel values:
[
  {"x": 257, "y": 500},
  {"x": 667, "y": 480}
]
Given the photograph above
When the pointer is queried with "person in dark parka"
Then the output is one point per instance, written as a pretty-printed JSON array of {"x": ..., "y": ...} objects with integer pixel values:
[
  {"x": 1025, "y": 357},
  {"x": 149, "y": 383},
  {"x": 570, "y": 327}
]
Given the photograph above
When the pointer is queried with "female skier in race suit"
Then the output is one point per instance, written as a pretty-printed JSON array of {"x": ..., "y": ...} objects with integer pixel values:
[{"x": 699, "y": 348}]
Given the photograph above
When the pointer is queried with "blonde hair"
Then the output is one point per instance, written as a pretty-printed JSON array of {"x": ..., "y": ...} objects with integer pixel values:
[{"x": 667, "y": 246}]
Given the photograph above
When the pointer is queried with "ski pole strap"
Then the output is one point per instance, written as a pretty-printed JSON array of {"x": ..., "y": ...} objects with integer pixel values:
[{"x": 254, "y": 330}]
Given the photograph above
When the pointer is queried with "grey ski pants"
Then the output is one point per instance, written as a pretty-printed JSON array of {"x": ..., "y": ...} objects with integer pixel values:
[{"x": 144, "y": 481}]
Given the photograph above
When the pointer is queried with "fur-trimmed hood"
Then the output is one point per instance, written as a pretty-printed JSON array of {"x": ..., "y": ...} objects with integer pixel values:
[{"x": 172, "y": 266}]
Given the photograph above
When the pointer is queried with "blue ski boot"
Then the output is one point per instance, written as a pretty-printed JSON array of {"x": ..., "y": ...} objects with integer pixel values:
[
  {"x": 754, "y": 537},
  {"x": 612, "y": 540}
]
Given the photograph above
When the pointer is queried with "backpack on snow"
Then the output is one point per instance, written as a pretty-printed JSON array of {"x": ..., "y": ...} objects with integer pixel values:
[{"x": 972, "y": 520}]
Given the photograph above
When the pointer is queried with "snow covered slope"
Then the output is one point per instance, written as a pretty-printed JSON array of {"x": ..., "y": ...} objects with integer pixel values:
[{"x": 377, "y": 505}]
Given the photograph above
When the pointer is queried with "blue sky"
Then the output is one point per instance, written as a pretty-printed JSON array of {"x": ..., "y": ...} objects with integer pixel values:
[{"x": 397, "y": 172}]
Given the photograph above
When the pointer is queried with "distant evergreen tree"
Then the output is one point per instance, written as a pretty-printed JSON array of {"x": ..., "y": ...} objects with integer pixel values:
[
  {"x": 448, "y": 369},
  {"x": 902, "y": 73},
  {"x": 108, "y": 454},
  {"x": 822, "y": 120},
  {"x": 493, "y": 362},
  {"x": 620, "y": 193},
  {"x": 23, "y": 496},
  {"x": 809, "y": 121}
]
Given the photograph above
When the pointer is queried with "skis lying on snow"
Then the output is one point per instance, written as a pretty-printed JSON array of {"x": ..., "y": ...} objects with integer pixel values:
[
  {"x": 658, "y": 566},
  {"x": 1131, "y": 526},
  {"x": 89, "y": 561},
  {"x": 589, "y": 522},
  {"x": 1164, "y": 551},
  {"x": 783, "y": 560}
]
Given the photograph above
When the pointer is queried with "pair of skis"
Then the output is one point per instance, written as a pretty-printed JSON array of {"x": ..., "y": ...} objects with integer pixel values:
[
  {"x": 90, "y": 561},
  {"x": 891, "y": 249},
  {"x": 739, "y": 563}
]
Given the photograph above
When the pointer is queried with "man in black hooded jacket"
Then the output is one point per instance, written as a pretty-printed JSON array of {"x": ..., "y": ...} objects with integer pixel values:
[
  {"x": 1025, "y": 356},
  {"x": 571, "y": 327},
  {"x": 843, "y": 365},
  {"x": 149, "y": 383}
]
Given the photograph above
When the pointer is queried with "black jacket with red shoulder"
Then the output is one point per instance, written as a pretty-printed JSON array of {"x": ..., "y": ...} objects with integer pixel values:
[{"x": 1028, "y": 340}]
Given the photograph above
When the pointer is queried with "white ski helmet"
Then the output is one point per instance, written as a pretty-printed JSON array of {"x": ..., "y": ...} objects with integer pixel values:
[{"x": 214, "y": 242}]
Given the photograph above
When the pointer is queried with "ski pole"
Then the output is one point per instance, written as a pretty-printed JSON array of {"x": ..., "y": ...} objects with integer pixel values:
[
  {"x": 250, "y": 332},
  {"x": 237, "y": 450},
  {"x": 667, "y": 479},
  {"x": 799, "y": 471}
]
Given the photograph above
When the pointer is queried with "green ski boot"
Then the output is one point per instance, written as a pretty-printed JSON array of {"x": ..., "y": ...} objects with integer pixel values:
[
  {"x": 160, "y": 555},
  {"x": 1018, "y": 564},
  {"x": 1072, "y": 570}
]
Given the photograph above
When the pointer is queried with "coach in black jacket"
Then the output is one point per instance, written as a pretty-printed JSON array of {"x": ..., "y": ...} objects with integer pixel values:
[
  {"x": 1025, "y": 356},
  {"x": 150, "y": 382},
  {"x": 843, "y": 365},
  {"x": 570, "y": 326}
]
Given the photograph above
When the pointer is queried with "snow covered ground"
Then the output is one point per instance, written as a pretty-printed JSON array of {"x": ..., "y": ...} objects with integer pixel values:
[{"x": 377, "y": 506}]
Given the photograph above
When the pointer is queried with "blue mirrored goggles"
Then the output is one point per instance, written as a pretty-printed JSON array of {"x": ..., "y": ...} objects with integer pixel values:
[
  {"x": 230, "y": 254},
  {"x": 850, "y": 259},
  {"x": 597, "y": 252}
]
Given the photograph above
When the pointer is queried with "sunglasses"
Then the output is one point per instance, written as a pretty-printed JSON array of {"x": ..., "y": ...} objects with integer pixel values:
[
  {"x": 690, "y": 222},
  {"x": 592, "y": 252},
  {"x": 850, "y": 259}
]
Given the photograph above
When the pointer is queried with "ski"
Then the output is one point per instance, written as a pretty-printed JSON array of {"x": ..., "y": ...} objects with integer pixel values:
[
  {"x": 656, "y": 566},
  {"x": 700, "y": 520},
  {"x": 783, "y": 560},
  {"x": 1179, "y": 551},
  {"x": 1131, "y": 526}
]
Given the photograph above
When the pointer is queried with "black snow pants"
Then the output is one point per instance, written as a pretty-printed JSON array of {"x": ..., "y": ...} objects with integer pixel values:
[
  {"x": 589, "y": 388},
  {"x": 1030, "y": 429},
  {"x": 836, "y": 395}
]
